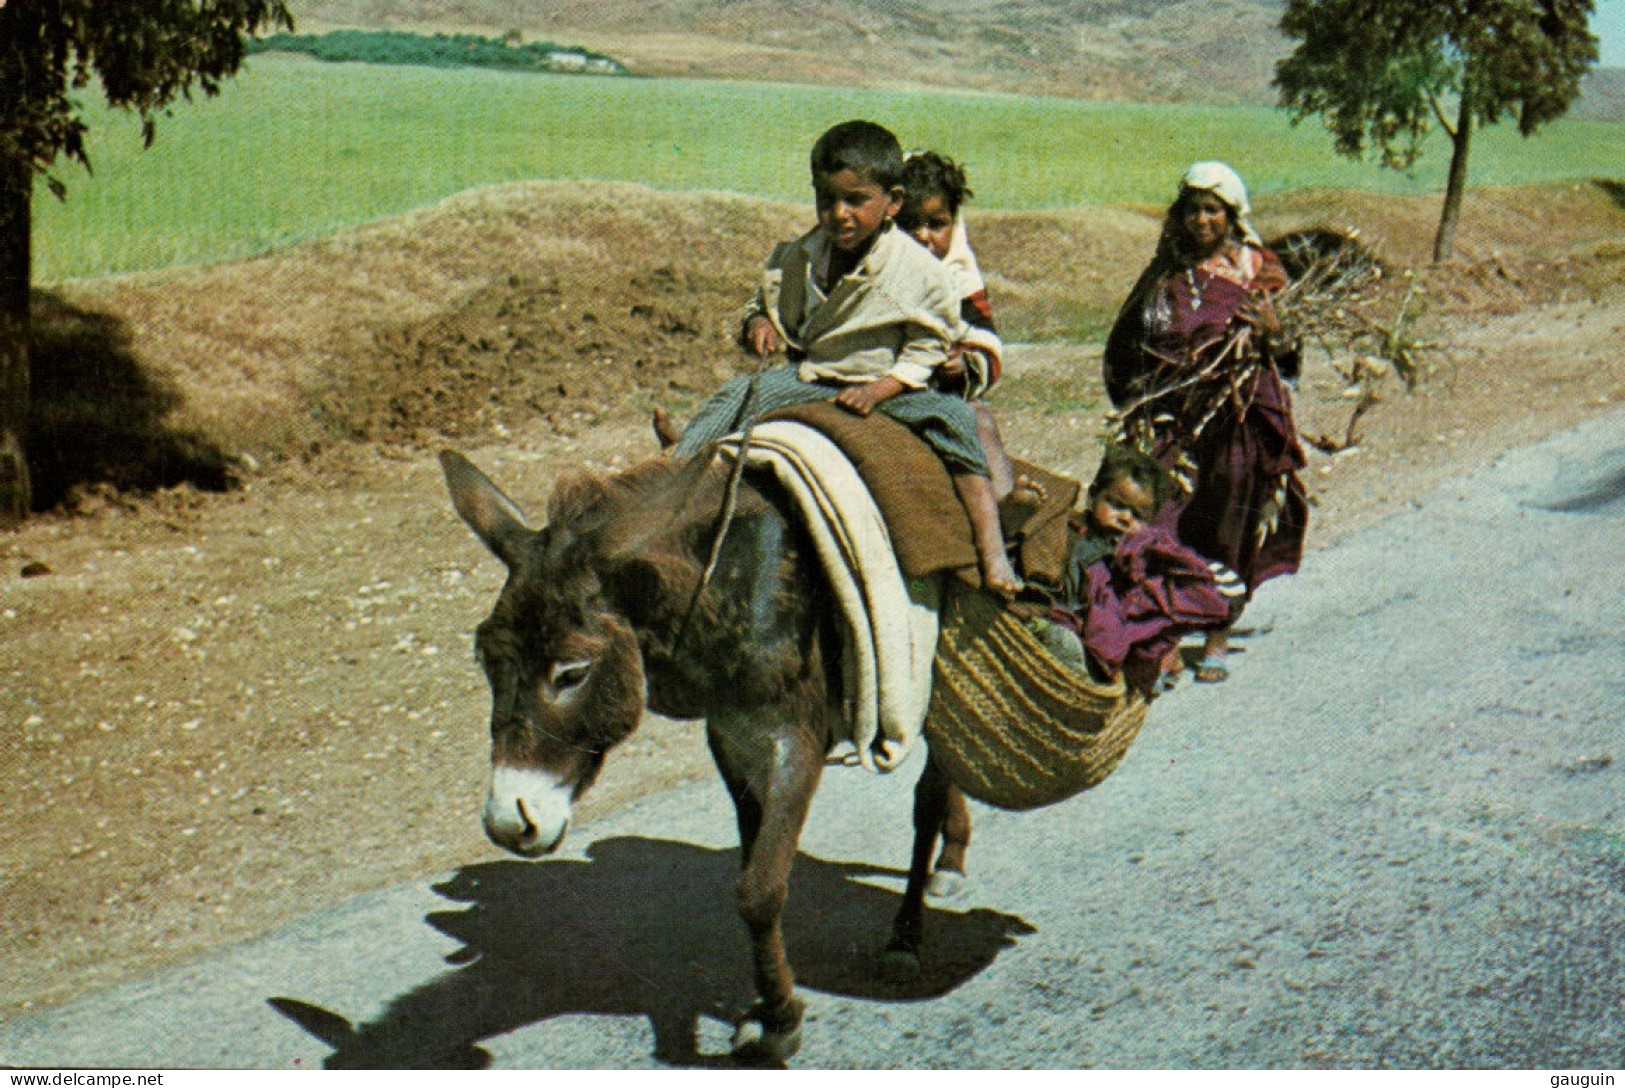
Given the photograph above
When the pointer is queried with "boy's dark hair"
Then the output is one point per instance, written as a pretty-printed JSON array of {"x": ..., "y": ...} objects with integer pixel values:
[
  {"x": 1132, "y": 463},
  {"x": 927, "y": 174},
  {"x": 863, "y": 147}
]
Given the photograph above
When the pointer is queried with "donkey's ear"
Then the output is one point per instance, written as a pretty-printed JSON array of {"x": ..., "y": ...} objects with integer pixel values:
[{"x": 495, "y": 518}]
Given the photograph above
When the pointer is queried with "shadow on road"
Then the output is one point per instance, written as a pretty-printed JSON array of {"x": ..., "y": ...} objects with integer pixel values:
[
  {"x": 1597, "y": 495},
  {"x": 646, "y": 927}
]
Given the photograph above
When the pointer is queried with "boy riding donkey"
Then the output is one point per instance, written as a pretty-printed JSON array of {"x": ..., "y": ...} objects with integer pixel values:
[{"x": 866, "y": 316}]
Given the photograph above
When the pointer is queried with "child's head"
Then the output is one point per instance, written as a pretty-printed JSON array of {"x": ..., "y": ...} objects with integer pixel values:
[
  {"x": 1128, "y": 488},
  {"x": 936, "y": 189},
  {"x": 857, "y": 171}
]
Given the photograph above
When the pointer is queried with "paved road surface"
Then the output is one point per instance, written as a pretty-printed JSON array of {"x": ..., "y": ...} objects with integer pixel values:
[{"x": 1395, "y": 838}]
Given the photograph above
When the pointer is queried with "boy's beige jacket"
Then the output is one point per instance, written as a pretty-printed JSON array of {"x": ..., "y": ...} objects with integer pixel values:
[{"x": 897, "y": 313}]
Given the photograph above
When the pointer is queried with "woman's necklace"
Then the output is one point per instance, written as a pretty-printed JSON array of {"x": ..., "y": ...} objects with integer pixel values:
[
  {"x": 1196, "y": 290},
  {"x": 1222, "y": 258}
]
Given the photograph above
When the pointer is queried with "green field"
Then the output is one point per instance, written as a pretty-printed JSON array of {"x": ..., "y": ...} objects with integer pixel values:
[{"x": 294, "y": 149}]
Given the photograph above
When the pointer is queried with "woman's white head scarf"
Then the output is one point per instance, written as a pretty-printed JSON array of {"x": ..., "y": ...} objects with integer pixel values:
[{"x": 1226, "y": 184}]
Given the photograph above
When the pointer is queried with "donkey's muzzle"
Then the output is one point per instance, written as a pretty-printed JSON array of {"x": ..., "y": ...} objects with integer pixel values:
[{"x": 526, "y": 812}]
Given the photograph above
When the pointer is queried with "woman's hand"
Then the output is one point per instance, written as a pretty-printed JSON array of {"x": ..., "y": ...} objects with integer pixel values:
[
  {"x": 761, "y": 336},
  {"x": 1259, "y": 314},
  {"x": 862, "y": 399},
  {"x": 954, "y": 368}
]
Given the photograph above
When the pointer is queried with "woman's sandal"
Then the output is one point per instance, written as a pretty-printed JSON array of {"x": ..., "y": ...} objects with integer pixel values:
[{"x": 1212, "y": 670}]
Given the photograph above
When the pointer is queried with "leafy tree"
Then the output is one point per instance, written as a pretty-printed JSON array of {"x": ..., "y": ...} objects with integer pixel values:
[
  {"x": 436, "y": 51},
  {"x": 1383, "y": 72},
  {"x": 145, "y": 53}
]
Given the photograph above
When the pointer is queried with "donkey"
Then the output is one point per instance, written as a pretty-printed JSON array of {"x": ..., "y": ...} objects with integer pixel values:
[{"x": 606, "y": 612}]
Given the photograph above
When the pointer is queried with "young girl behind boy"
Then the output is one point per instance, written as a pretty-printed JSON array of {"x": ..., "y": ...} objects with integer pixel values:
[{"x": 933, "y": 214}]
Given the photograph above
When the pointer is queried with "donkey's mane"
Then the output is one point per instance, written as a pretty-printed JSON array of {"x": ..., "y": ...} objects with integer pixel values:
[{"x": 651, "y": 499}]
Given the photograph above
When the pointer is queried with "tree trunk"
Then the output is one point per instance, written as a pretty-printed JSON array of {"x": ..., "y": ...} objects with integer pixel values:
[
  {"x": 16, "y": 223},
  {"x": 1444, "y": 243},
  {"x": 18, "y": 24}
]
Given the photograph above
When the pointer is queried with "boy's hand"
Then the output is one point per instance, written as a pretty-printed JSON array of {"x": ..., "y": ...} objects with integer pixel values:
[
  {"x": 954, "y": 368},
  {"x": 862, "y": 399},
  {"x": 762, "y": 337}
]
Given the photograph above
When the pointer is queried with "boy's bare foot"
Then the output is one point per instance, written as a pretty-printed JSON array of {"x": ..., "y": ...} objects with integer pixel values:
[
  {"x": 666, "y": 431},
  {"x": 1028, "y": 491},
  {"x": 998, "y": 576},
  {"x": 1022, "y": 502}
]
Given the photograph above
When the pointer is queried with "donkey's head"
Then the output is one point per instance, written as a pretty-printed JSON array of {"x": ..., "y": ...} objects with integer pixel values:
[{"x": 564, "y": 667}]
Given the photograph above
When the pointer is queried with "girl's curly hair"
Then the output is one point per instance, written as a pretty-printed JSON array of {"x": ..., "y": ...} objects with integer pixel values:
[{"x": 927, "y": 174}]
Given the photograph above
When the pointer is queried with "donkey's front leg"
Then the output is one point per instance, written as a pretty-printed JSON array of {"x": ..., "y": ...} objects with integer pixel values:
[
  {"x": 901, "y": 962},
  {"x": 772, "y": 775}
]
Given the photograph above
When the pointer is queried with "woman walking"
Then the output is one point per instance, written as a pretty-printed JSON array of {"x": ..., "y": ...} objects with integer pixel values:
[{"x": 1195, "y": 366}]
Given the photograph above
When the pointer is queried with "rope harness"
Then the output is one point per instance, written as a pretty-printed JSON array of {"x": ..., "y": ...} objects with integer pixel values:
[{"x": 730, "y": 502}]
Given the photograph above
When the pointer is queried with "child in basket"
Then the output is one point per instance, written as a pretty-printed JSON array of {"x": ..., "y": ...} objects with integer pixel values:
[
  {"x": 1130, "y": 590},
  {"x": 867, "y": 318}
]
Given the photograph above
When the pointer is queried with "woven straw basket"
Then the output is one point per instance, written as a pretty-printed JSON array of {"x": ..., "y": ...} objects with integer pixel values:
[{"x": 1009, "y": 724}]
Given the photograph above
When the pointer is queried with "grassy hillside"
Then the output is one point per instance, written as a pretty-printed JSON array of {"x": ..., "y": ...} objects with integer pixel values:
[
  {"x": 1216, "y": 51},
  {"x": 294, "y": 149}
]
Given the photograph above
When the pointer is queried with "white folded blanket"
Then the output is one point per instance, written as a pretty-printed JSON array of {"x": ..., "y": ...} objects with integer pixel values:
[{"x": 890, "y": 630}]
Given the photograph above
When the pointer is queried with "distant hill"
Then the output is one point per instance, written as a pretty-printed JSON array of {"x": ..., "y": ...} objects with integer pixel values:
[
  {"x": 1602, "y": 96},
  {"x": 1218, "y": 51}
]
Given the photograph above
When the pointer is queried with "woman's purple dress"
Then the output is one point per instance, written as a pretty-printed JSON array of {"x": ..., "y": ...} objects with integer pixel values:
[{"x": 1226, "y": 430}]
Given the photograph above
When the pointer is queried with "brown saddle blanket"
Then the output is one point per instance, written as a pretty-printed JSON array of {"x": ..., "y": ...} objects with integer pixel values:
[{"x": 929, "y": 528}]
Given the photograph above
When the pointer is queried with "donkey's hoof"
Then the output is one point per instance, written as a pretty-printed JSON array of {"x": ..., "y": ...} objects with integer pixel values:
[
  {"x": 900, "y": 963},
  {"x": 757, "y": 1042},
  {"x": 947, "y": 884}
]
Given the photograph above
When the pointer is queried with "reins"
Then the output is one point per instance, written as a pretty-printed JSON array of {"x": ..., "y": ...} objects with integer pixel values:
[{"x": 730, "y": 502}]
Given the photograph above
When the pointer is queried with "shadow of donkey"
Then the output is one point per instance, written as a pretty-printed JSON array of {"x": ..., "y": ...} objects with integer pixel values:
[{"x": 647, "y": 927}]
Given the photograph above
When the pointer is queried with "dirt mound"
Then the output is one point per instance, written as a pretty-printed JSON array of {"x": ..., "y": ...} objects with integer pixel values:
[
  {"x": 560, "y": 307},
  {"x": 1534, "y": 228},
  {"x": 98, "y": 419},
  {"x": 541, "y": 304},
  {"x": 449, "y": 320},
  {"x": 538, "y": 346}
]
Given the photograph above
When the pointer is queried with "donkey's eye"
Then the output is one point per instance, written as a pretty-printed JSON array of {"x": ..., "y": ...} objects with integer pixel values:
[{"x": 568, "y": 674}]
